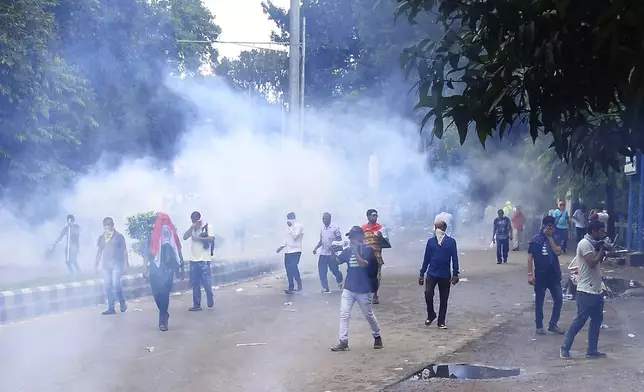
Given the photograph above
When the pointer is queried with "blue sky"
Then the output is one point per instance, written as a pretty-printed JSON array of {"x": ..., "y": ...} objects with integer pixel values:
[{"x": 241, "y": 20}]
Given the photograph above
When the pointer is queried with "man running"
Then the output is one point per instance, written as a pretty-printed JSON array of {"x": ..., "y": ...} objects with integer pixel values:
[
  {"x": 202, "y": 239},
  {"x": 71, "y": 233},
  {"x": 328, "y": 235},
  {"x": 362, "y": 270},
  {"x": 374, "y": 238},
  {"x": 112, "y": 252},
  {"x": 544, "y": 273},
  {"x": 590, "y": 300},
  {"x": 501, "y": 235},
  {"x": 293, "y": 245},
  {"x": 441, "y": 265}
]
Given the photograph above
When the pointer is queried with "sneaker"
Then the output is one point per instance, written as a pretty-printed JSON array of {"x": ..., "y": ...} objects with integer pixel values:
[
  {"x": 375, "y": 300},
  {"x": 210, "y": 301},
  {"x": 442, "y": 326},
  {"x": 342, "y": 346},
  {"x": 505, "y": 261},
  {"x": 108, "y": 312},
  {"x": 540, "y": 331},
  {"x": 377, "y": 342},
  {"x": 564, "y": 354},
  {"x": 429, "y": 321},
  {"x": 289, "y": 291},
  {"x": 499, "y": 262},
  {"x": 196, "y": 308},
  {"x": 340, "y": 286},
  {"x": 556, "y": 330},
  {"x": 326, "y": 291},
  {"x": 163, "y": 327},
  {"x": 595, "y": 355},
  {"x": 123, "y": 306}
]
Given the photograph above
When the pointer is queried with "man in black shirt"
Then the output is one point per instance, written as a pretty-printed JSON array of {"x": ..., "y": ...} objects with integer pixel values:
[
  {"x": 71, "y": 233},
  {"x": 361, "y": 281},
  {"x": 112, "y": 252}
]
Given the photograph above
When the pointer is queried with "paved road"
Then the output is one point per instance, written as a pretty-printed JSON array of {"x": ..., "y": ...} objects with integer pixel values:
[{"x": 84, "y": 351}]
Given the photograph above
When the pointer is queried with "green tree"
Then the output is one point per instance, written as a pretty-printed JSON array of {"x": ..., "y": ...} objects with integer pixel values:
[
  {"x": 262, "y": 70},
  {"x": 570, "y": 68}
]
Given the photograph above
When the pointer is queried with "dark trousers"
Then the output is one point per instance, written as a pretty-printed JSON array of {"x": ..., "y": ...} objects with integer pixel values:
[
  {"x": 502, "y": 249},
  {"x": 72, "y": 261},
  {"x": 588, "y": 306},
  {"x": 581, "y": 232},
  {"x": 561, "y": 237},
  {"x": 200, "y": 276},
  {"x": 326, "y": 263},
  {"x": 161, "y": 283},
  {"x": 443, "y": 295},
  {"x": 291, "y": 260},
  {"x": 552, "y": 284}
]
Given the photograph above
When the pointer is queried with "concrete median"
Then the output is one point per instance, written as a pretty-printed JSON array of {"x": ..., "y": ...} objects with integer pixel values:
[{"x": 30, "y": 302}]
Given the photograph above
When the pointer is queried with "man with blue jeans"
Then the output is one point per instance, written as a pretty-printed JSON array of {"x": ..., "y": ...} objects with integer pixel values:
[
  {"x": 360, "y": 283},
  {"x": 112, "y": 251},
  {"x": 202, "y": 240},
  {"x": 561, "y": 225},
  {"x": 590, "y": 300},
  {"x": 543, "y": 255},
  {"x": 328, "y": 235},
  {"x": 501, "y": 235}
]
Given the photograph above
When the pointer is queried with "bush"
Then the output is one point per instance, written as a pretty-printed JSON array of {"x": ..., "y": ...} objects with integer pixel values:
[{"x": 139, "y": 228}]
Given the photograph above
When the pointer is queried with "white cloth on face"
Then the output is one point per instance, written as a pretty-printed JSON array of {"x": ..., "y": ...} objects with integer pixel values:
[
  {"x": 440, "y": 236},
  {"x": 447, "y": 218}
]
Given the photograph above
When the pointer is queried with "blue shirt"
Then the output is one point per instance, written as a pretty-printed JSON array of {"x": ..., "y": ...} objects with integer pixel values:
[
  {"x": 438, "y": 258},
  {"x": 502, "y": 228},
  {"x": 560, "y": 218},
  {"x": 360, "y": 279},
  {"x": 546, "y": 262}
]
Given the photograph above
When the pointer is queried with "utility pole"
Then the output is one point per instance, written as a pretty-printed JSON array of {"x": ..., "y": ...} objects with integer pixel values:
[
  {"x": 302, "y": 82},
  {"x": 294, "y": 69}
]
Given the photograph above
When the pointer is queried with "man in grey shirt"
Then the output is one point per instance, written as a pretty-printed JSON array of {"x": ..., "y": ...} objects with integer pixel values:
[{"x": 590, "y": 301}]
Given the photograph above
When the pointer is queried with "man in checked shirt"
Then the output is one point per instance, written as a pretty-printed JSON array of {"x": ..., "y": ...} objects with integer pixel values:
[{"x": 328, "y": 235}]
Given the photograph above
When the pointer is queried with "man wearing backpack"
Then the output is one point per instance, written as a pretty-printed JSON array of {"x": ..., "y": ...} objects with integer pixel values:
[
  {"x": 561, "y": 225},
  {"x": 202, "y": 240}
]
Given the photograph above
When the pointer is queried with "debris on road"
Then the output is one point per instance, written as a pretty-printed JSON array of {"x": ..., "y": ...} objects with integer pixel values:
[
  {"x": 604, "y": 326},
  {"x": 288, "y": 303},
  {"x": 631, "y": 335},
  {"x": 215, "y": 287},
  {"x": 463, "y": 280},
  {"x": 239, "y": 290},
  {"x": 250, "y": 344},
  {"x": 150, "y": 349},
  {"x": 176, "y": 294},
  {"x": 138, "y": 310},
  {"x": 399, "y": 369},
  {"x": 291, "y": 310},
  {"x": 136, "y": 300}
]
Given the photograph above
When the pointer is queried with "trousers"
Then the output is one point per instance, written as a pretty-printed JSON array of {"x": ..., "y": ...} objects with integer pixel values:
[
  {"x": 113, "y": 285},
  {"x": 161, "y": 279},
  {"x": 291, "y": 261},
  {"x": 588, "y": 306},
  {"x": 200, "y": 276},
  {"x": 443, "y": 295},
  {"x": 364, "y": 300},
  {"x": 502, "y": 248},
  {"x": 326, "y": 263},
  {"x": 552, "y": 284}
]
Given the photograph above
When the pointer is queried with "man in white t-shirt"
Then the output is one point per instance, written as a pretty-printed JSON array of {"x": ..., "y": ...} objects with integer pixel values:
[
  {"x": 293, "y": 251},
  {"x": 580, "y": 217},
  {"x": 202, "y": 243},
  {"x": 590, "y": 301}
]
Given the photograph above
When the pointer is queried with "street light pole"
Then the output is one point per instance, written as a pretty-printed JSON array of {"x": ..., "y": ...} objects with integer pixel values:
[
  {"x": 302, "y": 82},
  {"x": 294, "y": 68}
]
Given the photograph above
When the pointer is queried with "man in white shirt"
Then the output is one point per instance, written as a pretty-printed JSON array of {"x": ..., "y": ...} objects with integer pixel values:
[
  {"x": 202, "y": 243},
  {"x": 328, "y": 235},
  {"x": 447, "y": 218},
  {"x": 580, "y": 217},
  {"x": 590, "y": 301},
  {"x": 293, "y": 251}
]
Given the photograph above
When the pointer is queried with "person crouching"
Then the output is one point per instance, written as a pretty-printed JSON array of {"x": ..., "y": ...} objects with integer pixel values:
[{"x": 360, "y": 282}]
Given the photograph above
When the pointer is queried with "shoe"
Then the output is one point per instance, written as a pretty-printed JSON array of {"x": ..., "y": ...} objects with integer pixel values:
[
  {"x": 289, "y": 291},
  {"x": 163, "y": 327},
  {"x": 377, "y": 342},
  {"x": 210, "y": 301},
  {"x": 326, "y": 291},
  {"x": 342, "y": 346},
  {"x": 340, "y": 286},
  {"x": 498, "y": 262},
  {"x": 375, "y": 300},
  {"x": 556, "y": 330},
  {"x": 540, "y": 331},
  {"x": 595, "y": 355},
  {"x": 564, "y": 354},
  {"x": 108, "y": 312},
  {"x": 123, "y": 307},
  {"x": 442, "y": 326},
  {"x": 196, "y": 308},
  {"x": 505, "y": 261},
  {"x": 429, "y": 321}
]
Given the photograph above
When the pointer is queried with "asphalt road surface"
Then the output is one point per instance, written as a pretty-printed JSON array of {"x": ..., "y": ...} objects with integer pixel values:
[{"x": 84, "y": 351}]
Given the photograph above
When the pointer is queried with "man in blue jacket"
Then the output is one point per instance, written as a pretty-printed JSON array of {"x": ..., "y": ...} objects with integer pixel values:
[{"x": 440, "y": 255}]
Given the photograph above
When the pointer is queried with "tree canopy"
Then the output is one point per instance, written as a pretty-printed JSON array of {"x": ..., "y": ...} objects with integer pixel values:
[{"x": 569, "y": 68}]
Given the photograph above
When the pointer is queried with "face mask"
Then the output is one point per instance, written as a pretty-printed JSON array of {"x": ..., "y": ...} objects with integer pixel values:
[
  {"x": 108, "y": 231},
  {"x": 290, "y": 221}
]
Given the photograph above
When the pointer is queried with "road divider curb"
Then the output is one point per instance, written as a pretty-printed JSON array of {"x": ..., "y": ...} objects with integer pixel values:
[{"x": 36, "y": 301}]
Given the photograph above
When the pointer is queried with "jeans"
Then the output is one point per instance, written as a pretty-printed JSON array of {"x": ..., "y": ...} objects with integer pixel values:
[
  {"x": 581, "y": 232},
  {"x": 443, "y": 294},
  {"x": 552, "y": 284},
  {"x": 588, "y": 305},
  {"x": 347, "y": 300},
  {"x": 113, "y": 285},
  {"x": 291, "y": 260},
  {"x": 326, "y": 263},
  {"x": 200, "y": 276},
  {"x": 72, "y": 260},
  {"x": 161, "y": 279},
  {"x": 517, "y": 238},
  {"x": 561, "y": 237},
  {"x": 502, "y": 248}
]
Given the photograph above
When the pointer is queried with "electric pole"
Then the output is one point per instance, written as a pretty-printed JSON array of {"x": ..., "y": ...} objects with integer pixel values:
[{"x": 294, "y": 69}]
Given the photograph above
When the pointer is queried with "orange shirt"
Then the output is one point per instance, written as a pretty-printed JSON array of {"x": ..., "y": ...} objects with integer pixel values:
[{"x": 518, "y": 220}]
